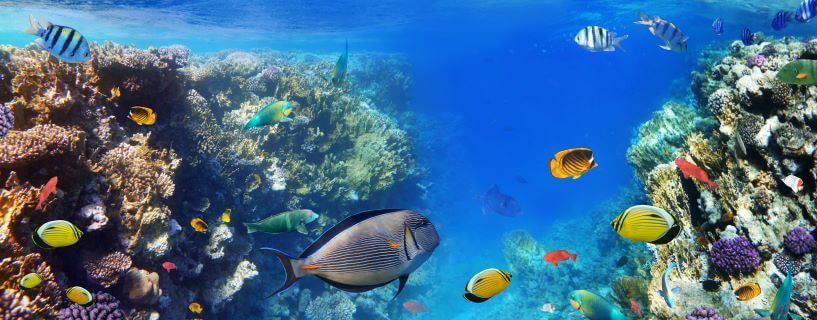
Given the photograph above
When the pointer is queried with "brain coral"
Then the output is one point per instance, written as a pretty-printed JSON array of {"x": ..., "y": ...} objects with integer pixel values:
[{"x": 735, "y": 256}]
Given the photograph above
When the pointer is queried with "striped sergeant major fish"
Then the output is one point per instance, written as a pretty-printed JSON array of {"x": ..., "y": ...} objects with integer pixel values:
[
  {"x": 63, "y": 42},
  {"x": 747, "y": 37},
  {"x": 598, "y": 39},
  {"x": 365, "y": 251},
  {"x": 674, "y": 39},
  {"x": 781, "y": 20},
  {"x": 717, "y": 26},
  {"x": 806, "y": 11}
]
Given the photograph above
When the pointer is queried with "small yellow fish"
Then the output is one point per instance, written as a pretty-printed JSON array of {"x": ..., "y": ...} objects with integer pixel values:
[
  {"x": 143, "y": 116},
  {"x": 30, "y": 280},
  {"x": 253, "y": 182},
  {"x": 80, "y": 296},
  {"x": 199, "y": 225},
  {"x": 225, "y": 216},
  {"x": 195, "y": 307}
]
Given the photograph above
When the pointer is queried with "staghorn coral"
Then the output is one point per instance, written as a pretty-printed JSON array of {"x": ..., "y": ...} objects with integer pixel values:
[
  {"x": 42, "y": 142},
  {"x": 735, "y": 256},
  {"x": 106, "y": 270},
  {"x": 799, "y": 241},
  {"x": 106, "y": 307},
  {"x": 335, "y": 306}
]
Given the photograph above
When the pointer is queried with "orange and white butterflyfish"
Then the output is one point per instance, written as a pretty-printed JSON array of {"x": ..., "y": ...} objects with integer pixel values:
[
  {"x": 572, "y": 163},
  {"x": 143, "y": 116}
]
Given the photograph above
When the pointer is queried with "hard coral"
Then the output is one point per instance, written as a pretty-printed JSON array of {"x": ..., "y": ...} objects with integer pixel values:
[
  {"x": 42, "y": 142},
  {"x": 6, "y": 120},
  {"x": 799, "y": 241},
  {"x": 142, "y": 287},
  {"x": 106, "y": 307},
  {"x": 704, "y": 314},
  {"x": 782, "y": 262},
  {"x": 107, "y": 270},
  {"x": 735, "y": 256},
  {"x": 335, "y": 306}
]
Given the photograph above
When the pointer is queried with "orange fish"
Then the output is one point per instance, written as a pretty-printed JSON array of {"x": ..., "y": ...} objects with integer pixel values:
[
  {"x": 49, "y": 188},
  {"x": 557, "y": 256},
  {"x": 168, "y": 266},
  {"x": 801, "y": 76},
  {"x": 414, "y": 307},
  {"x": 691, "y": 170},
  {"x": 636, "y": 308}
]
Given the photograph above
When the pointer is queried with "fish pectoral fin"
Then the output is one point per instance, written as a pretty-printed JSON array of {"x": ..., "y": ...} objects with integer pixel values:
[
  {"x": 666, "y": 47},
  {"x": 301, "y": 228},
  {"x": 403, "y": 281},
  {"x": 286, "y": 119},
  {"x": 676, "y": 290},
  {"x": 763, "y": 312}
]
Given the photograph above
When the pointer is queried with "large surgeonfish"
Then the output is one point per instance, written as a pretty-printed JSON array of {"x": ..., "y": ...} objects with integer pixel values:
[
  {"x": 365, "y": 251},
  {"x": 595, "y": 307},
  {"x": 338, "y": 75},
  {"x": 63, "y": 42},
  {"x": 781, "y": 302}
]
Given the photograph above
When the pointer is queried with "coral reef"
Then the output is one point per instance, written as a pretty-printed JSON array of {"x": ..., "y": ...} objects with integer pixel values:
[
  {"x": 121, "y": 183},
  {"x": 335, "y": 306},
  {"x": 704, "y": 314},
  {"x": 106, "y": 307},
  {"x": 752, "y": 224}
]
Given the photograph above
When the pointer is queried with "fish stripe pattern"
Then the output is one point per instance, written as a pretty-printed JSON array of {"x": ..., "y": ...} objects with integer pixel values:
[
  {"x": 56, "y": 37},
  {"x": 48, "y": 34},
  {"x": 68, "y": 41},
  {"x": 647, "y": 224},
  {"x": 76, "y": 47},
  {"x": 487, "y": 284},
  {"x": 572, "y": 163},
  {"x": 747, "y": 291},
  {"x": 58, "y": 233}
]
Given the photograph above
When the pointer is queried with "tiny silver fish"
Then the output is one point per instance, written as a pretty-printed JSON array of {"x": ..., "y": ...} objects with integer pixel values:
[{"x": 63, "y": 42}]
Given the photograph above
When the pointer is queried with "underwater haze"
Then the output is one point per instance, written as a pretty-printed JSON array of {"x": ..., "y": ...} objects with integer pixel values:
[{"x": 389, "y": 159}]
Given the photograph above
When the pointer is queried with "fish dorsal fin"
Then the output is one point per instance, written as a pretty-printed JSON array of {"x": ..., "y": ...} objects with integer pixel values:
[{"x": 343, "y": 225}]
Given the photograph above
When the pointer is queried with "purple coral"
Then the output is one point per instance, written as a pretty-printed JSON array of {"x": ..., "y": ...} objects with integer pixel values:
[
  {"x": 799, "y": 241},
  {"x": 6, "y": 120},
  {"x": 271, "y": 73},
  {"x": 735, "y": 255},
  {"x": 106, "y": 307},
  {"x": 756, "y": 60},
  {"x": 704, "y": 314}
]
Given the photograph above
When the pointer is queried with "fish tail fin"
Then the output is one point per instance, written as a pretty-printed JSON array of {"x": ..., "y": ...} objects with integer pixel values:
[
  {"x": 617, "y": 42},
  {"x": 555, "y": 263},
  {"x": 645, "y": 20},
  {"x": 251, "y": 227},
  {"x": 573, "y": 257},
  {"x": 35, "y": 27},
  {"x": 286, "y": 261},
  {"x": 712, "y": 185}
]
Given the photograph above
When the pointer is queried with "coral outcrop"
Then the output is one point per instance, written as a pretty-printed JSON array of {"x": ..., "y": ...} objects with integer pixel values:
[
  {"x": 752, "y": 225},
  {"x": 106, "y": 307}
]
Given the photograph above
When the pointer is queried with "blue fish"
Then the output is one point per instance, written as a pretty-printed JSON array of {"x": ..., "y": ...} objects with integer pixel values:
[
  {"x": 717, "y": 26},
  {"x": 503, "y": 204},
  {"x": 806, "y": 11},
  {"x": 781, "y": 302},
  {"x": 747, "y": 36},
  {"x": 781, "y": 20},
  {"x": 665, "y": 291},
  {"x": 63, "y": 42}
]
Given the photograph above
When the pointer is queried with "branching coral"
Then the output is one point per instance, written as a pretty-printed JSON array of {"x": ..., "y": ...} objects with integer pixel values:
[
  {"x": 735, "y": 256},
  {"x": 105, "y": 307},
  {"x": 799, "y": 241}
]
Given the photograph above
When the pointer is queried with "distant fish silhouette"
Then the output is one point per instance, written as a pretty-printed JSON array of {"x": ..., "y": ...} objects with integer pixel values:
[
  {"x": 496, "y": 201},
  {"x": 521, "y": 180}
]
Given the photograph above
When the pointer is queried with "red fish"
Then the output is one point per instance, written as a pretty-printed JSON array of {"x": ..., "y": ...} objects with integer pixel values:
[
  {"x": 49, "y": 188},
  {"x": 691, "y": 170},
  {"x": 168, "y": 266},
  {"x": 636, "y": 308},
  {"x": 557, "y": 256},
  {"x": 414, "y": 307}
]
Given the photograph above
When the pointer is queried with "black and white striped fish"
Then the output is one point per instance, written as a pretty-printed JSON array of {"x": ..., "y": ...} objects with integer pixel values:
[
  {"x": 806, "y": 11},
  {"x": 597, "y": 39},
  {"x": 674, "y": 39},
  {"x": 63, "y": 42},
  {"x": 781, "y": 20},
  {"x": 365, "y": 251}
]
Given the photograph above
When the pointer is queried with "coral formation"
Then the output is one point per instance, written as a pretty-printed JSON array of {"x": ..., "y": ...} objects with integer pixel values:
[
  {"x": 107, "y": 270},
  {"x": 334, "y": 306},
  {"x": 106, "y": 307},
  {"x": 799, "y": 241},
  {"x": 6, "y": 120},
  {"x": 704, "y": 314},
  {"x": 735, "y": 256},
  {"x": 42, "y": 142}
]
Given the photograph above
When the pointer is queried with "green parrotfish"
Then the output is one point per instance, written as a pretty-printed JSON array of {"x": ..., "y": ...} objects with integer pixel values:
[
  {"x": 781, "y": 302},
  {"x": 289, "y": 221},
  {"x": 801, "y": 72},
  {"x": 338, "y": 75},
  {"x": 272, "y": 113},
  {"x": 595, "y": 307}
]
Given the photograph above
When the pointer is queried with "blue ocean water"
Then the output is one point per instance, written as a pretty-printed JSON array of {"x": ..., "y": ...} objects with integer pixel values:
[{"x": 503, "y": 81}]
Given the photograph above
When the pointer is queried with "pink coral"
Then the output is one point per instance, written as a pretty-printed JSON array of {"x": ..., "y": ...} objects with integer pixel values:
[{"x": 756, "y": 60}]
